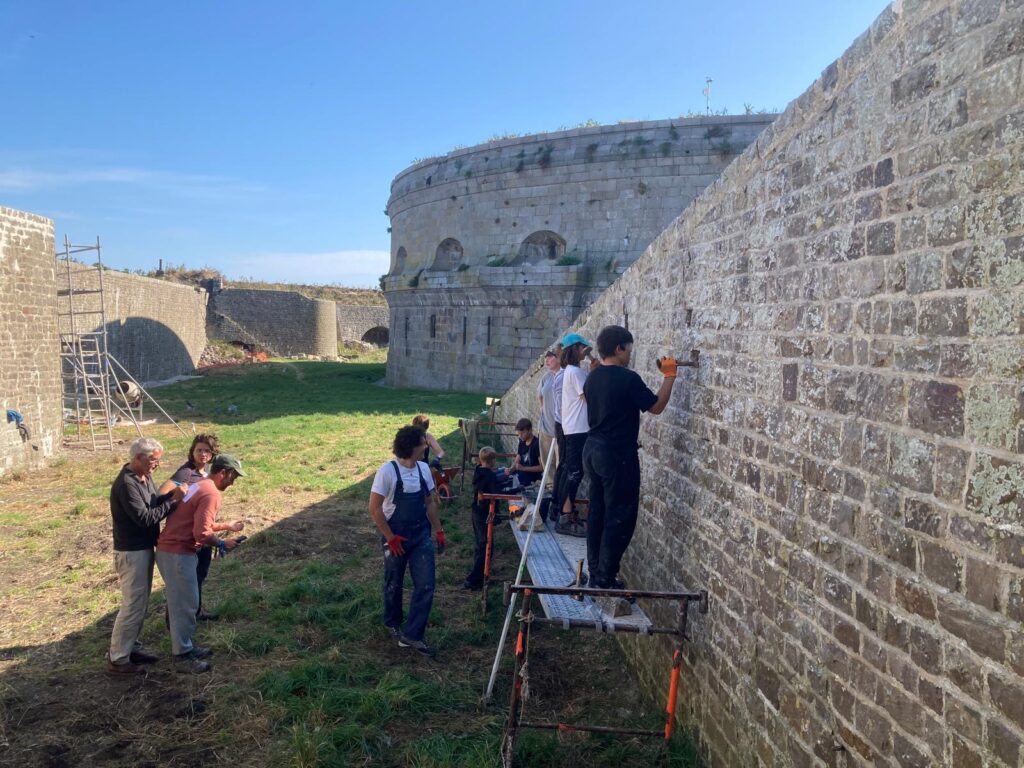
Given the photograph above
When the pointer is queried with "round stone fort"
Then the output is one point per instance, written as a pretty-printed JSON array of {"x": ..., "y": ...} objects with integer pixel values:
[{"x": 497, "y": 248}]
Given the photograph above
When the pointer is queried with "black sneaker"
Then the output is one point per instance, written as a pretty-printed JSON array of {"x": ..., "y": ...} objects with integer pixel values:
[
  {"x": 417, "y": 645},
  {"x": 393, "y": 631},
  {"x": 189, "y": 664}
]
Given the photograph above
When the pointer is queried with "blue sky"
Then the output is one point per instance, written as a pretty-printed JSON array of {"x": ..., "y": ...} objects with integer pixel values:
[{"x": 261, "y": 138}]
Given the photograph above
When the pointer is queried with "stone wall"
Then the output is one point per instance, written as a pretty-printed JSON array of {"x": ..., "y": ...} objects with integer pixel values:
[
  {"x": 284, "y": 323},
  {"x": 557, "y": 216},
  {"x": 29, "y": 369},
  {"x": 362, "y": 323},
  {"x": 478, "y": 330},
  {"x": 844, "y": 470},
  {"x": 155, "y": 329}
]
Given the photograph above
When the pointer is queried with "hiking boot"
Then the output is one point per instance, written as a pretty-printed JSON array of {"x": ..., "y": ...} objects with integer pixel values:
[
  {"x": 417, "y": 645},
  {"x": 201, "y": 653},
  {"x": 128, "y": 668},
  {"x": 188, "y": 663},
  {"x": 143, "y": 657}
]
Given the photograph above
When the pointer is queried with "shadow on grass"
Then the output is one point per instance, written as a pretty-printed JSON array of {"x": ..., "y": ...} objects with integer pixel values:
[
  {"x": 304, "y": 672},
  {"x": 244, "y": 394}
]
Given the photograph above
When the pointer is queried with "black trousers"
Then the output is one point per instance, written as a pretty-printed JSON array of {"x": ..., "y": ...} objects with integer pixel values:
[
  {"x": 476, "y": 575},
  {"x": 572, "y": 476},
  {"x": 559, "y": 471},
  {"x": 614, "y": 475}
]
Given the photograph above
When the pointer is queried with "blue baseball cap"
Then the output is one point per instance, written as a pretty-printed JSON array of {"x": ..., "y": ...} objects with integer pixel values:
[{"x": 574, "y": 338}]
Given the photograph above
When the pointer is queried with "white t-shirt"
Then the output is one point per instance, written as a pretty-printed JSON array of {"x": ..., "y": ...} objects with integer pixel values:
[
  {"x": 574, "y": 405},
  {"x": 384, "y": 483}
]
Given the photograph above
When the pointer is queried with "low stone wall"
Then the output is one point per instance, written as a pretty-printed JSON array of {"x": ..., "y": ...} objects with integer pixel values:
[
  {"x": 844, "y": 470},
  {"x": 362, "y": 323},
  {"x": 155, "y": 329},
  {"x": 285, "y": 323},
  {"x": 29, "y": 361}
]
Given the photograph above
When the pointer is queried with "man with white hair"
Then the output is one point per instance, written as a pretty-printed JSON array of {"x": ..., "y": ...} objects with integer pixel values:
[{"x": 137, "y": 510}]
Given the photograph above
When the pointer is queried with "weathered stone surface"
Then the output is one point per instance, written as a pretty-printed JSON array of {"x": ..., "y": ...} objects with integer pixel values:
[
  {"x": 29, "y": 369},
  {"x": 880, "y": 599},
  {"x": 560, "y": 216}
]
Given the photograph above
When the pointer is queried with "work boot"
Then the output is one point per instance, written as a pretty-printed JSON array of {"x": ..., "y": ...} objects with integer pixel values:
[
  {"x": 187, "y": 663},
  {"x": 128, "y": 668},
  {"x": 143, "y": 657},
  {"x": 201, "y": 653},
  {"x": 417, "y": 645}
]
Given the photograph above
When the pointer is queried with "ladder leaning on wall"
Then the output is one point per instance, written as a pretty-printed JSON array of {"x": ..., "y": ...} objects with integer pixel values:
[{"x": 94, "y": 399}]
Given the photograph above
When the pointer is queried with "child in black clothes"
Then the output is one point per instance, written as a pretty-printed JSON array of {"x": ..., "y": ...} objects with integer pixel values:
[
  {"x": 527, "y": 466},
  {"x": 486, "y": 479}
]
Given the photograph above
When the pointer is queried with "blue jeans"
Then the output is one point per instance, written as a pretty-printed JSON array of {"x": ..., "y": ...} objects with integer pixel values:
[{"x": 419, "y": 558}]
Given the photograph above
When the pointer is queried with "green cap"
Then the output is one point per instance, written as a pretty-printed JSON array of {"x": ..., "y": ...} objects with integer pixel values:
[{"x": 226, "y": 461}]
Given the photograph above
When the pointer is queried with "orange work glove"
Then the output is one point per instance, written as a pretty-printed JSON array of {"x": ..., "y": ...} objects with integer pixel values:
[{"x": 668, "y": 367}]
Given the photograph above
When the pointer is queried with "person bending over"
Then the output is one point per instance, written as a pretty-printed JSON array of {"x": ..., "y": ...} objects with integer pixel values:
[
  {"x": 423, "y": 422},
  {"x": 189, "y": 530},
  {"x": 203, "y": 450},
  {"x": 486, "y": 479},
  {"x": 615, "y": 398},
  {"x": 404, "y": 509}
]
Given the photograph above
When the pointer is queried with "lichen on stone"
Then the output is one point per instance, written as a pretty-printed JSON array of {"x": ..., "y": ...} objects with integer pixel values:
[
  {"x": 991, "y": 416},
  {"x": 998, "y": 313},
  {"x": 998, "y": 491}
]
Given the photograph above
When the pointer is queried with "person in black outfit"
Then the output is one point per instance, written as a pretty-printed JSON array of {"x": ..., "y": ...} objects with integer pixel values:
[
  {"x": 486, "y": 479},
  {"x": 527, "y": 466},
  {"x": 615, "y": 398}
]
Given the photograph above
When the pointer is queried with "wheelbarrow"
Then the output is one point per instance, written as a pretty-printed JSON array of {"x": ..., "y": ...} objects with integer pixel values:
[{"x": 443, "y": 483}]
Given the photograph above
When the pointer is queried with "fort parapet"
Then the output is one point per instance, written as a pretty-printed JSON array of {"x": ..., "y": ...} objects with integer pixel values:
[{"x": 496, "y": 248}]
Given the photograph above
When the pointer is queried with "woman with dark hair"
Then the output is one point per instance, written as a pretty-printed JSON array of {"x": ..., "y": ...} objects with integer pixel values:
[
  {"x": 200, "y": 455},
  {"x": 575, "y": 350},
  {"x": 404, "y": 509}
]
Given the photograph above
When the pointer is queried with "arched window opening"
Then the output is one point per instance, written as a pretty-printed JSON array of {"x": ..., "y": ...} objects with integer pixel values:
[
  {"x": 448, "y": 255},
  {"x": 400, "y": 259},
  {"x": 540, "y": 247}
]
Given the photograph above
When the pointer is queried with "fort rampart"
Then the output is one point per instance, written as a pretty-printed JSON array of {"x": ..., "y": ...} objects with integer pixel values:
[
  {"x": 29, "y": 362},
  {"x": 843, "y": 472},
  {"x": 282, "y": 322},
  {"x": 496, "y": 248}
]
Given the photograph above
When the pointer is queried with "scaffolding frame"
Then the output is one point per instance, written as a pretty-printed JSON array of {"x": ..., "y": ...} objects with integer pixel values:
[{"x": 86, "y": 365}]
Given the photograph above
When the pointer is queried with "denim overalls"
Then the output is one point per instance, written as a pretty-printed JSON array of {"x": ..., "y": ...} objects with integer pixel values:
[{"x": 409, "y": 520}]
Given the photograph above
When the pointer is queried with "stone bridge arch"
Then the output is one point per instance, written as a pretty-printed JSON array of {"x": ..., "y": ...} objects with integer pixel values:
[{"x": 369, "y": 324}]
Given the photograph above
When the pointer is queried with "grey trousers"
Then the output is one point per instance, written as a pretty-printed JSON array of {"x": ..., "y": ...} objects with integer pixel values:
[
  {"x": 545, "y": 446},
  {"x": 181, "y": 588},
  {"x": 135, "y": 573}
]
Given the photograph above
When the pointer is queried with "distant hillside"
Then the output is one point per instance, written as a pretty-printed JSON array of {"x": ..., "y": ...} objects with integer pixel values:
[{"x": 366, "y": 297}]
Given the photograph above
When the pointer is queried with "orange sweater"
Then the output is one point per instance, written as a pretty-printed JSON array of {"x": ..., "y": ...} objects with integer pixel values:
[{"x": 192, "y": 522}]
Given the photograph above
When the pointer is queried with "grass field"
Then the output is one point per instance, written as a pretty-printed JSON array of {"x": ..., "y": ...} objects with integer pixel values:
[{"x": 304, "y": 673}]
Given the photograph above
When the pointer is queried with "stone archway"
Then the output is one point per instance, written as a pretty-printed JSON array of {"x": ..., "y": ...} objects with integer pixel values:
[{"x": 378, "y": 336}]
